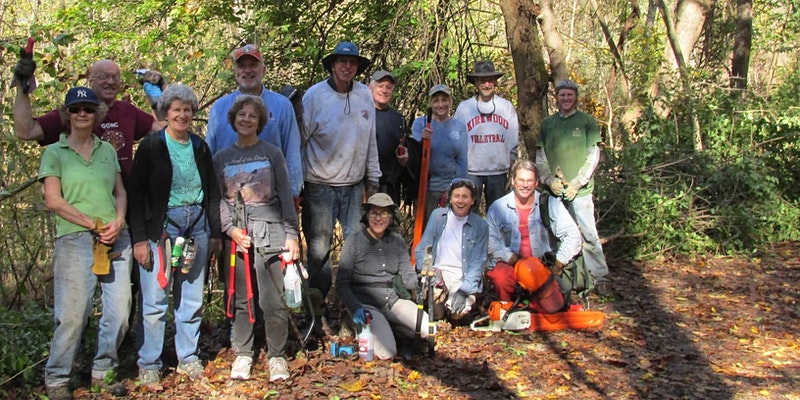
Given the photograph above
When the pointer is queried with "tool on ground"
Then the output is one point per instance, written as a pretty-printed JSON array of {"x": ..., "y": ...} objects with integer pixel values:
[
  {"x": 419, "y": 218},
  {"x": 427, "y": 282}
]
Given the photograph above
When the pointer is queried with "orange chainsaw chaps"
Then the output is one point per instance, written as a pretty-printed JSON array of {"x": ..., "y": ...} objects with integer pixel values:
[{"x": 578, "y": 320}]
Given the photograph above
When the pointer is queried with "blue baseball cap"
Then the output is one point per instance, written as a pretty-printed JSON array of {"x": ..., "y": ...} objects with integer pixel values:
[
  {"x": 80, "y": 94},
  {"x": 346, "y": 49}
]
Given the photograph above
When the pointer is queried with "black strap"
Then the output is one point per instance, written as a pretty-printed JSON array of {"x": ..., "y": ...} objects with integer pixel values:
[{"x": 188, "y": 230}]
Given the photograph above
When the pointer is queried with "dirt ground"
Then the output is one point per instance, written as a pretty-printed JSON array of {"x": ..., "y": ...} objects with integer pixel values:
[{"x": 716, "y": 328}]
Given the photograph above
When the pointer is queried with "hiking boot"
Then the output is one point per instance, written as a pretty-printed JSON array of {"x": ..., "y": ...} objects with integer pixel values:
[
  {"x": 241, "y": 367},
  {"x": 148, "y": 377},
  {"x": 602, "y": 288},
  {"x": 278, "y": 370},
  {"x": 59, "y": 393},
  {"x": 193, "y": 369}
]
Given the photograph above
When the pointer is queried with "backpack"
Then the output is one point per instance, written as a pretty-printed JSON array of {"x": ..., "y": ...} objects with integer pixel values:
[{"x": 575, "y": 276}]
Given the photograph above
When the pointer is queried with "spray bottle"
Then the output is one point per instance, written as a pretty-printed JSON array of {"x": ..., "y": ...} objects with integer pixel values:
[
  {"x": 293, "y": 286},
  {"x": 366, "y": 343}
]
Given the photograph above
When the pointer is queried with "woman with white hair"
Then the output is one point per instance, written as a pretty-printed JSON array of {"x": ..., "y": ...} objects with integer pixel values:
[{"x": 174, "y": 199}]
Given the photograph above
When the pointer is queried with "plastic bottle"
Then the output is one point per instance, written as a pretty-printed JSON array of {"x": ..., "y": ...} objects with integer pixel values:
[
  {"x": 366, "y": 343},
  {"x": 189, "y": 251},
  {"x": 177, "y": 251},
  {"x": 293, "y": 286}
]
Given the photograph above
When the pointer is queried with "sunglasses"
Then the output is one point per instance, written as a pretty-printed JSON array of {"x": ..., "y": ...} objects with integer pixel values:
[{"x": 77, "y": 109}]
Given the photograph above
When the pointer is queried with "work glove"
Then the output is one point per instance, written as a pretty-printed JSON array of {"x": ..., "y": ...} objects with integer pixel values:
[
  {"x": 555, "y": 185},
  {"x": 458, "y": 303},
  {"x": 572, "y": 190},
  {"x": 360, "y": 316},
  {"x": 25, "y": 67},
  {"x": 557, "y": 268},
  {"x": 153, "y": 77},
  {"x": 101, "y": 252}
]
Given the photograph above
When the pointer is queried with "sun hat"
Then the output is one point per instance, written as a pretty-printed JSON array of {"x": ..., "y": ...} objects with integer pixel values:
[
  {"x": 346, "y": 49},
  {"x": 483, "y": 69}
]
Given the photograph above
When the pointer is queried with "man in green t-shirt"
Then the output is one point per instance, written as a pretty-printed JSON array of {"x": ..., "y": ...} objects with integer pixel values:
[{"x": 567, "y": 154}]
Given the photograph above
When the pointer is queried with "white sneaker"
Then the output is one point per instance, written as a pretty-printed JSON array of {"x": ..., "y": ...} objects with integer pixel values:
[
  {"x": 241, "y": 367},
  {"x": 278, "y": 370}
]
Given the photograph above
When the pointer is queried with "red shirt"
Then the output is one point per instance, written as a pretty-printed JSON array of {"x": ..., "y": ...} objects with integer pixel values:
[
  {"x": 525, "y": 233},
  {"x": 124, "y": 124}
]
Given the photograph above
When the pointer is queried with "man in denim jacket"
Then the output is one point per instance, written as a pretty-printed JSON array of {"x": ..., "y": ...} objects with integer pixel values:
[{"x": 516, "y": 229}]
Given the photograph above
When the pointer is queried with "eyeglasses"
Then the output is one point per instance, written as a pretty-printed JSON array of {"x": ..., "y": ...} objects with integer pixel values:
[
  {"x": 78, "y": 109},
  {"x": 105, "y": 77},
  {"x": 379, "y": 214}
]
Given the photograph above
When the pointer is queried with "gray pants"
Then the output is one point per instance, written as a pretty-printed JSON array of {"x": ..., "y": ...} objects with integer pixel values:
[{"x": 403, "y": 315}]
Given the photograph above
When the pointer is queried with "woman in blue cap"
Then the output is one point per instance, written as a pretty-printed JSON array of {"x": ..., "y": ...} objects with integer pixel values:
[{"x": 83, "y": 186}]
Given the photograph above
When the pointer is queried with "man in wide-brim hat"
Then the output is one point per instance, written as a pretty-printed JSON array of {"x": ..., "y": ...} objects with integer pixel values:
[
  {"x": 493, "y": 130},
  {"x": 341, "y": 154}
]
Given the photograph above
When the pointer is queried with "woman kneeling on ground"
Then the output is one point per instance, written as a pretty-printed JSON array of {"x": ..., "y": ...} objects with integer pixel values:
[{"x": 370, "y": 260}]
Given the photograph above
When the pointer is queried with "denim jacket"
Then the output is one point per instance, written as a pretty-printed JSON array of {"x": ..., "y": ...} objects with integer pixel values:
[
  {"x": 504, "y": 236},
  {"x": 474, "y": 245}
]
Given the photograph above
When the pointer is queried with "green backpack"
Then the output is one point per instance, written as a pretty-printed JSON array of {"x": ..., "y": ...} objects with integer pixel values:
[{"x": 575, "y": 276}]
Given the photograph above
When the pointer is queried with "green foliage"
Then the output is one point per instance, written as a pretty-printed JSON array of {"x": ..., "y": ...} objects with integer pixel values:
[
  {"x": 24, "y": 343},
  {"x": 738, "y": 195}
]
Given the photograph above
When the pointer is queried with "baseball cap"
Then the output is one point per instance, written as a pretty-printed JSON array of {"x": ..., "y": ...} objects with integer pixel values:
[
  {"x": 247, "y": 50},
  {"x": 80, "y": 94},
  {"x": 439, "y": 88},
  {"x": 567, "y": 84},
  {"x": 382, "y": 73}
]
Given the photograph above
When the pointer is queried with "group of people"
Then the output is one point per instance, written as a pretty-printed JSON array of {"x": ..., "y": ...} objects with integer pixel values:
[{"x": 181, "y": 199}]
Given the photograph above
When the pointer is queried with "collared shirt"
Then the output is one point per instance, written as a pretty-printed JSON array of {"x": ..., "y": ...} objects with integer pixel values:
[
  {"x": 86, "y": 185},
  {"x": 505, "y": 237}
]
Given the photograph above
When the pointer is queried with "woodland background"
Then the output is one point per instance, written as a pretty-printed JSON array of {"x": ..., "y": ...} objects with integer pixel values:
[{"x": 701, "y": 144}]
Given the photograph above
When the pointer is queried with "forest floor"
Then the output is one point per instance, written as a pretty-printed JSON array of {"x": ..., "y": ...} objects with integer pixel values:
[{"x": 716, "y": 328}]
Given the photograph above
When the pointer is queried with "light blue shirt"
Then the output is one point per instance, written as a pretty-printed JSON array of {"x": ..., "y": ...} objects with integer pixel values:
[
  {"x": 448, "y": 158},
  {"x": 504, "y": 236},
  {"x": 281, "y": 130}
]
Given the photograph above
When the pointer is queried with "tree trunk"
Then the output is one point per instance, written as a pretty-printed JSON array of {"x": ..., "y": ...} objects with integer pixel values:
[
  {"x": 522, "y": 30},
  {"x": 690, "y": 16},
  {"x": 686, "y": 84},
  {"x": 552, "y": 39},
  {"x": 741, "y": 44}
]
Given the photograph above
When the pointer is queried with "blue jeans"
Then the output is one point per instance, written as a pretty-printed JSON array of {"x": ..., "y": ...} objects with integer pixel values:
[
  {"x": 493, "y": 185},
  {"x": 322, "y": 206},
  {"x": 186, "y": 288},
  {"x": 582, "y": 211},
  {"x": 74, "y": 286}
]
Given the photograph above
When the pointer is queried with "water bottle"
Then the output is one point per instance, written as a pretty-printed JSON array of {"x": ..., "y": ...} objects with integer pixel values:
[
  {"x": 293, "y": 286},
  {"x": 366, "y": 344},
  {"x": 177, "y": 251},
  {"x": 189, "y": 251}
]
